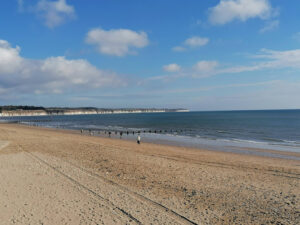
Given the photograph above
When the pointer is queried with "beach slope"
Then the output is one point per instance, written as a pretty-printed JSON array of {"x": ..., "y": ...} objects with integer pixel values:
[{"x": 62, "y": 177}]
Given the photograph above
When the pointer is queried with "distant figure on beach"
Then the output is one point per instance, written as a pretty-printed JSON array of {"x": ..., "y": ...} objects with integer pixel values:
[
  {"x": 81, "y": 131},
  {"x": 121, "y": 133},
  {"x": 109, "y": 133},
  {"x": 138, "y": 139}
]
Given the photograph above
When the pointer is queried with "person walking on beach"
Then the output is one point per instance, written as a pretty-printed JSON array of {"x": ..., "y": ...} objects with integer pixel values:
[{"x": 138, "y": 139}]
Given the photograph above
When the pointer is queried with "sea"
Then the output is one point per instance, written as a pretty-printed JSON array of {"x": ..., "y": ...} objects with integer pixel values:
[{"x": 242, "y": 132}]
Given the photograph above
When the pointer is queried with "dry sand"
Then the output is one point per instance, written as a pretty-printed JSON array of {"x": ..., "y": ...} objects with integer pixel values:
[{"x": 60, "y": 177}]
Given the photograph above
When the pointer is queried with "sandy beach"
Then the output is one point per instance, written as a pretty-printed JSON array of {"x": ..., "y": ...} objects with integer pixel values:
[{"x": 62, "y": 177}]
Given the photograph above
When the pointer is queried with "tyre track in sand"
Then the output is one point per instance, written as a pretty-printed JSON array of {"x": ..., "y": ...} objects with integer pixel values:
[
  {"x": 138, "y": 196},
  {"x": 137, "y": 207},
  {"x": 122, "y": 213}
]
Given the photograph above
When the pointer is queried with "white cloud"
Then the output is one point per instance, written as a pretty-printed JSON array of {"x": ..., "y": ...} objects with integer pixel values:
[
  {"x": 270, "y": 25},
  {"x": 51, "y": 75},
  {"x": 202, "y": 69},
  {"x": 54, "y": 13},
  {"x": 196, "y": 41},
  {"x": 192, "y": 42},
  {"x": 205, "y": 66},
  {"x": 172, "y": 68},
  {"x": 279, "y": 59},
  {"x": 270, "y": 60},
  {"x": 289, "y": 59},
  {"x": 118, "y": 42},
  {"x": 199, "y": 70},
  {"x": 229, "y": 10},
  {"x": 9, "y": 58}
]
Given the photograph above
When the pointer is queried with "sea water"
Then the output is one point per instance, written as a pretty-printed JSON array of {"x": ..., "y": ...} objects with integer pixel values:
[{"x": 222, "y": 130}]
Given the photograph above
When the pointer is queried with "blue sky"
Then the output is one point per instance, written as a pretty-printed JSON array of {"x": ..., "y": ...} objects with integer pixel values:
[{"x": 200, "y": 55}]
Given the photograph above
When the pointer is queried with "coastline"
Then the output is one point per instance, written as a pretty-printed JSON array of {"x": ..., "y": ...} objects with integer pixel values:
[
  {"x": 187, "y": 142},
  {"x": 264, "y": 133},
  {"x": 152, "y": 183},
  {"x": 62, "y": 111}
]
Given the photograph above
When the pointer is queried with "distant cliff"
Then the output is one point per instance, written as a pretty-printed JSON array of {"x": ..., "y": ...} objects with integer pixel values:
[{"x": 6, "y": 111}]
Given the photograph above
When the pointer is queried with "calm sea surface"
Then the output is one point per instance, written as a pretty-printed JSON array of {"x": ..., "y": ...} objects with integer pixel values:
[{"x": 225, "y": 130}]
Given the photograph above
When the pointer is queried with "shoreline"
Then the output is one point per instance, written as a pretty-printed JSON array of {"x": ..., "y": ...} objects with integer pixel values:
[
  {"x": 213, "y": 131},
  {"x": 63, "y": 176},
  {"x": 273, "y": 153}
]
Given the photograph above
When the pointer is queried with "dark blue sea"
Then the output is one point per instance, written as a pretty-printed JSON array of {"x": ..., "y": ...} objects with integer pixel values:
[{"x": 222, "y": 130}]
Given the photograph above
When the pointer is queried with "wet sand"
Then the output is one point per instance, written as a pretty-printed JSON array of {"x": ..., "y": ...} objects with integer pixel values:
[{"x": 61, "y": 177}]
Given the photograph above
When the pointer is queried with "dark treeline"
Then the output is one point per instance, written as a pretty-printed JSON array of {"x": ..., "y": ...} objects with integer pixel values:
[
  {"x": 26, "y": 107},
  {"x": 20, "y": 107}
]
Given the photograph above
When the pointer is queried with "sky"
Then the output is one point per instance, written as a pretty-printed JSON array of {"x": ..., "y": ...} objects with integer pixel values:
[{"x": 199, "y": 55}]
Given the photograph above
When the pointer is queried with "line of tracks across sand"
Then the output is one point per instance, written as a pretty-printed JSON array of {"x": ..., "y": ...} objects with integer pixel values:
[{"x": 71, "y": 172}]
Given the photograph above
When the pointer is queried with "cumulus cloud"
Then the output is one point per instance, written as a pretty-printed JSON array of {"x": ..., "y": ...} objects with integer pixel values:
[
  {"x": 9, "y": 58},
  {"x": 54, "y": 13},
  {"x": 192, "y": 42},
  {"x": 228, "y": 10},
  {"x": 117, "y": 42},
  {"x": 50, "y": 75},
  {"x": 171, "y": 67}
]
